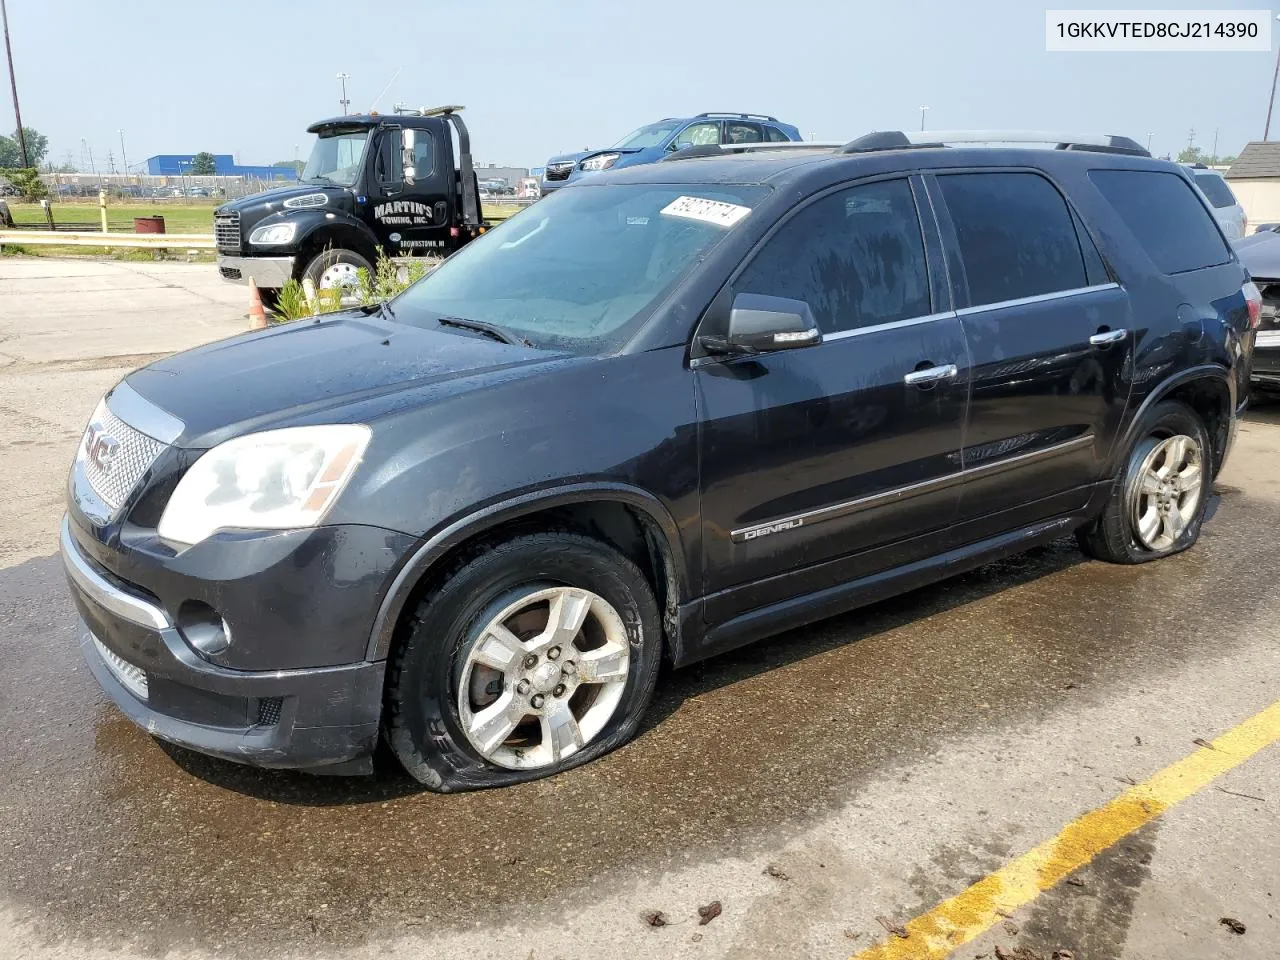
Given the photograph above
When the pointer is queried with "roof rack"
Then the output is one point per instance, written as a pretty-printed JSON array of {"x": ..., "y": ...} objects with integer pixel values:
[
  {"x": 899, "y": 140},
  {"x": 728, "y": 149},
  {"x": 740, "y": 116}
]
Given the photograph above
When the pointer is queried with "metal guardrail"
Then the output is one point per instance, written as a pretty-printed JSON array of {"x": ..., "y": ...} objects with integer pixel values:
[{"x": 86, "y": 238}]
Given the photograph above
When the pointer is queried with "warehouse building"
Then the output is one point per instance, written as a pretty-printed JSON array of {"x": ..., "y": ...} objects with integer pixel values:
[{"x": 179, "y": 165}]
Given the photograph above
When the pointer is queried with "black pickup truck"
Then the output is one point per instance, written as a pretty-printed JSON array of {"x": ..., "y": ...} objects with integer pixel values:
[{"x": 393, "y": 183}]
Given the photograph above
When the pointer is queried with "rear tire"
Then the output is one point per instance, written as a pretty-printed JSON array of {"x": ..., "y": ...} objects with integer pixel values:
[
  {"x": 1157, "y": 502},
  {"x": 483, "y": 691}
]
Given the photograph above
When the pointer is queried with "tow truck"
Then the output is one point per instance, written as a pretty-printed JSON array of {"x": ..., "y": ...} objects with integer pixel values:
[{"x": 396, "y": 185}]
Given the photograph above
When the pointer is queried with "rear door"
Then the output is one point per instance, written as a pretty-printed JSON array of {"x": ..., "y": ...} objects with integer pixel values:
[
  {"x": 1049, "y": 336},
  {"x": 742, "y": 131},
  {"x": 829, "y": 462}
]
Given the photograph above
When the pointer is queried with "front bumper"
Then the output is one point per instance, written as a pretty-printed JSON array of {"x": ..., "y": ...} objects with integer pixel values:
[
  {"x": 319, "y": 718},
  {"x": 269, "y": 272}
]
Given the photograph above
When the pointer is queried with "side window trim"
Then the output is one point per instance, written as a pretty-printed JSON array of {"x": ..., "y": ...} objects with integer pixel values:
[
  {"x": 958, "y": 274},
  {"x": 1038, "y": 298}
]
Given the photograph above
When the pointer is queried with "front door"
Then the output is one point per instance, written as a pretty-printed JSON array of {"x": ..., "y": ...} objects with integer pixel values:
[
  {"x": 828, "y": 462},
  {"x": 412, "y": 219},
  {"x": 1049, "y": 336}
]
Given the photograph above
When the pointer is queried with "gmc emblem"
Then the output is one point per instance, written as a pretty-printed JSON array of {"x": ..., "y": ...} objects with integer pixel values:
[{"x": 100, "y": 447}]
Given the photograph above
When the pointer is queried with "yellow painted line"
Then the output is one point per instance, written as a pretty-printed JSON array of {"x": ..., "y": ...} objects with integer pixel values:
[{"x": 966, "y": 916}]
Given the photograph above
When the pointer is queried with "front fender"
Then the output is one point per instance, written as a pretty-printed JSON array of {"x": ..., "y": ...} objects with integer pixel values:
[
  {"x": 435, "y": 548},
  {"x": 318, "y": 229}
]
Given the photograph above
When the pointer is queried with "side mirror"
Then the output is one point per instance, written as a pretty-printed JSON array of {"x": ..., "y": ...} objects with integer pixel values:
[
  {"x": 760, "y": 324},
  {"x": 407, "y": 158}
]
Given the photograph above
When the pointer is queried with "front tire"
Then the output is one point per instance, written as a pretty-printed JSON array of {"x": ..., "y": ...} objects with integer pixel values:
[
  {"x": 1157, "y": 503},
  {"x": 536, "y": 655},
  {"x": 338, "y": 269}
]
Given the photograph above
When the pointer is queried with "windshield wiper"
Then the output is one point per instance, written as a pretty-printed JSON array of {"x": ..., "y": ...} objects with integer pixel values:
[
  {"x": 488, "y": 329},
  {"x": 321, "y": 178}
]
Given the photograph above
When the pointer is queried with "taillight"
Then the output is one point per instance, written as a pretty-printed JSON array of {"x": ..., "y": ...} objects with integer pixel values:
[{"x": 1253, "y": 297}]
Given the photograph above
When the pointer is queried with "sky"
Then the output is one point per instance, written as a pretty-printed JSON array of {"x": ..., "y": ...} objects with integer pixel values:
[{"x": 547, "y": 76}]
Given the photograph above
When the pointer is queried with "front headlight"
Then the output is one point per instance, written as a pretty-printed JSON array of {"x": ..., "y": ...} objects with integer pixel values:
[
  {"x": 601, "y": 161},
  {"x": 273, "y": 235},
  {"x": 274, "y": 480}
]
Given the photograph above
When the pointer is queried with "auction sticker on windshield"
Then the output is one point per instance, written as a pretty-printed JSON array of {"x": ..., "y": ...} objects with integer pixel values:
[{"x": 708, "y": 211}]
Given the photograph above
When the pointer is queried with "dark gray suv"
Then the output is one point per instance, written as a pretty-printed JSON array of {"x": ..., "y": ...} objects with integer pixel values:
[{"x": 659, "y": 415}]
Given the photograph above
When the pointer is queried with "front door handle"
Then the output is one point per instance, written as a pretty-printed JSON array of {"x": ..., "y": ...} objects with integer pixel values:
[
  {"x": 920, "y": 378},
  {"x": 1104, "y": 338}
]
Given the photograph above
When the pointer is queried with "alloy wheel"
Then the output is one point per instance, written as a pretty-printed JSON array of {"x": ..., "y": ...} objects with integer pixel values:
[
  {"x": 543, "y": 677},
  {"x": 1167, "y": 489}
]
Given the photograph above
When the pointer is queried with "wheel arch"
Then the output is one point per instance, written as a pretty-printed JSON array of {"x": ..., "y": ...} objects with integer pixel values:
[
  {"x": 629, "y": 519},
  {"x": 345, "y": 233},
  {"x": 1208, "y": 390}
]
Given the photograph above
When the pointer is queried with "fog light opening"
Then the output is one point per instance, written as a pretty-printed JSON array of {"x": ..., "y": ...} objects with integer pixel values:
[{"x": 203, "y": 628}]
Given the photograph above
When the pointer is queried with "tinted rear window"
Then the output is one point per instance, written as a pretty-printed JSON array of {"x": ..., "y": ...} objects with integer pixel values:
[
  {"x": 1216, "y": 189},
  {"x": 1016, "y": 235},
  {"x": 1166, "y": 216}
]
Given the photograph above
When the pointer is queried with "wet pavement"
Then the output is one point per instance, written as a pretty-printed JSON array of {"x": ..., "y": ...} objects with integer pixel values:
[{"x": 885, "y": 759}]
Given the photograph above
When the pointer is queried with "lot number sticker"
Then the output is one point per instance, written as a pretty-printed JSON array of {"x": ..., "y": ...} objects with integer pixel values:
[{"x": 708, "y": 211}]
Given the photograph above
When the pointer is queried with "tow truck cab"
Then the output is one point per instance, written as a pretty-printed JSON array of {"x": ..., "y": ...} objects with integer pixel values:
[{"x": 396, "y": 184}]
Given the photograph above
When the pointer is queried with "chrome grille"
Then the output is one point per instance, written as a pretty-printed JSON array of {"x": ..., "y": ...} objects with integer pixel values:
[
  {"x": 114, "y": 456},
  {"x": 559, "y": 171},
  {"x": 226, "y": 232},
  {"x": 133, "y": 678}
]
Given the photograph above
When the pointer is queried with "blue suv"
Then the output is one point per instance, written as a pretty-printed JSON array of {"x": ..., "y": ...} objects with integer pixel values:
[{"x": 653, "y": 141}]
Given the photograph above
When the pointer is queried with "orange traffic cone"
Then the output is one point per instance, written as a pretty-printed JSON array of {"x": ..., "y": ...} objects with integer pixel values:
[{"x": 257, "y": 315}]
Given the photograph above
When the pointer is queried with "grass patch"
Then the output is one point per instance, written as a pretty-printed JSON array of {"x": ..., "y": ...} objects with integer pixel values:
[{"x": 178, "y": 218}]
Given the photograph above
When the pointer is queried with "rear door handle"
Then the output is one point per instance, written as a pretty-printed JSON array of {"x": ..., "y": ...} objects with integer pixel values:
[
  {"x": 1104, "y": 338},
  {"x": 919, "y": 378}
]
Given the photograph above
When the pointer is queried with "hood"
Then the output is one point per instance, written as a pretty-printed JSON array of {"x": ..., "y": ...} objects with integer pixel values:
[
  {"x": 1260, "y": 254},
  {"x": 583, "y": 154},
  {"x": 270, "y": 201},
  {"x": 303, "y": 371}
]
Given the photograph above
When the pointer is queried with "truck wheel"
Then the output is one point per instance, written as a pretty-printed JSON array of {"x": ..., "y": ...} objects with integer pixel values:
[
  {"x": 1158, "y": 501},
  {"x": 534, "y": 656},
  {"x": 338, "y": 269}
]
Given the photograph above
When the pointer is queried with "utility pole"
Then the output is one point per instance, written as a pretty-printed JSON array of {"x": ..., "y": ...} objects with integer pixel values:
[
  {"x": 1213, "y": 159},
  {"x": 1149, "y": 136},
  {"x": 343, "y": 78},
  {"x": 922, "y": 113},
  {"x": 13, "y": 85},
  {"x": 124, "y": 157},
  {"x": 1271, "y": 101}
]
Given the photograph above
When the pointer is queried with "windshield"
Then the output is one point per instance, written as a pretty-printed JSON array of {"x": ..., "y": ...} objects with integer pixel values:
[
  {"x": 582, "y": 268},
  {"x": 336, "y": 156},
  {"x": 650, "y": 135}
]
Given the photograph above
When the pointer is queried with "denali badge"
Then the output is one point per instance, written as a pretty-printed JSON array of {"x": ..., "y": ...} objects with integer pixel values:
[
  {"x": 755, "y": 533},
  {"x": 100, "y": 447}
]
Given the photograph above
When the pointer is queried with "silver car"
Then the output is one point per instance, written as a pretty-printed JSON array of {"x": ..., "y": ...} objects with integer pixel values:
[{"x": 1226, "y": 208}]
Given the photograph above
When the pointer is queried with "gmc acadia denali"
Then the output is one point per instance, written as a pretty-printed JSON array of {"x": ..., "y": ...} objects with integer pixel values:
[{"x": 661, "y": 414}]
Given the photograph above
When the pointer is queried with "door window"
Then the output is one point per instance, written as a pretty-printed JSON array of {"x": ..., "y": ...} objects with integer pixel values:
[
  {"x": 856, "y": 257},
  {"x": 736, "y": 131},
  {"x": 1016, "y": 235},
  {"x": 775, "y": 135},
  {"x": 388, "y": 169},
  {"x": 698, "y": 135},
  {"x": 424, "y": 155}
]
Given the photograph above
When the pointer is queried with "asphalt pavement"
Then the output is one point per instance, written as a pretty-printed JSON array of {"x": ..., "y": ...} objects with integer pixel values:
[{"x": 824, "y": 786}]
